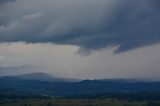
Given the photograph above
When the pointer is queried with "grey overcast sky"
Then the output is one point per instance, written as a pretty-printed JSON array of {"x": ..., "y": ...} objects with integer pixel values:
[{"x": 81, "y": 38}]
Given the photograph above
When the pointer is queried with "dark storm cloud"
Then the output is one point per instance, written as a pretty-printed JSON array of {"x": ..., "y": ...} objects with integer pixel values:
[
  {"x": 2, "y": 18},
  {"x": 5, "y": 1},
  {"x": 91, "y": 24}
]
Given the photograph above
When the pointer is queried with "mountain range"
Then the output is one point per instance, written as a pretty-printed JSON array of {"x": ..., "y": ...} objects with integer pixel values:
[
  {"x": 39, "y": 76},
  {"x": 44, "y": 84}
]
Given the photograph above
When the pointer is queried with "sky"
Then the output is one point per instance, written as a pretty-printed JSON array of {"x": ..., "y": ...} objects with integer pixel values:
[{"x": 85, "y": 39}]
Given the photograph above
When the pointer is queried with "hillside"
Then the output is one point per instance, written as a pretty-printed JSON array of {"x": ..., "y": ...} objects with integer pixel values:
[{"x": 40, "y": 84}]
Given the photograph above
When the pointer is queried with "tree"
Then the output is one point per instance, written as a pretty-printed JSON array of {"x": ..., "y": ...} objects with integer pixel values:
[{"x": 49, "y": 104}]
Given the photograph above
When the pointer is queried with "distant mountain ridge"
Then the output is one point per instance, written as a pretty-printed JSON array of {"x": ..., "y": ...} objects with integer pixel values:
[
  {"x": 44, "y": 84},
  {"x": 13, "y": 70},
  {"x": 40, "y": 76}
]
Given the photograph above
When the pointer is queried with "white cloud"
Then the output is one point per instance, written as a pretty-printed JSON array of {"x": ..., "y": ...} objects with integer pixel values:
[{"x": 33, "y": 16}]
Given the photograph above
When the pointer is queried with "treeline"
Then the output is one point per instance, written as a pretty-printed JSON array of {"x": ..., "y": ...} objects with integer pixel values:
[
  {"x": 126, "y": 96},
  {"x": 5, "y": 98}
]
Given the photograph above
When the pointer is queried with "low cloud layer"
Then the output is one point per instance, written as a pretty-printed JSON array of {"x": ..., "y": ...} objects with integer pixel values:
[
  {"x": 91, "y": 24},
  {"x": 61, "y": 61}
]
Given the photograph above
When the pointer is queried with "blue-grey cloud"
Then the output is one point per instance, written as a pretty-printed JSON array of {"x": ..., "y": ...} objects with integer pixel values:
[
  {"x": 91, "y": 24},
  {"x": 5, "y": 1}
]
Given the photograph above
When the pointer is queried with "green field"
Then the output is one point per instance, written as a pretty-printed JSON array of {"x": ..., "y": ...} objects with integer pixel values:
[{"x": 80, "y": 102}]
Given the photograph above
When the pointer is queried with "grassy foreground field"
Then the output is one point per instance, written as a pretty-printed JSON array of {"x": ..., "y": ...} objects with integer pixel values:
[{"x": 80, "y": 102}]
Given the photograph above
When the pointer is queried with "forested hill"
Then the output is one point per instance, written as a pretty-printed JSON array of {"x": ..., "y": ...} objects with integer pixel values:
[
  {"x": 37, "y": 87},
  {"x": 31, "y": 87}
]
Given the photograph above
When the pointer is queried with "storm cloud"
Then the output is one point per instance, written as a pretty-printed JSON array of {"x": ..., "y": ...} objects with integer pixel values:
[
  {"x": 5, "y": 1},
  {"x": 89, "y": 24}
]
